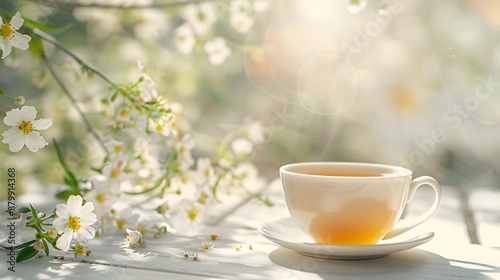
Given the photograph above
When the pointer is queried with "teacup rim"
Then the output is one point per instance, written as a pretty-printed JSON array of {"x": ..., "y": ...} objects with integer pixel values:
[{"x": 400, "y": 171}]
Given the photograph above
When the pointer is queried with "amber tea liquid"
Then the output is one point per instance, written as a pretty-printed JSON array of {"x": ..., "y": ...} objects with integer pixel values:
[{"x": 363, "y": 221}]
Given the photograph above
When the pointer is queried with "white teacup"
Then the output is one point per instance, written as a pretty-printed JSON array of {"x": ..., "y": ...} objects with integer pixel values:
[{"x": 352, "y": 203}]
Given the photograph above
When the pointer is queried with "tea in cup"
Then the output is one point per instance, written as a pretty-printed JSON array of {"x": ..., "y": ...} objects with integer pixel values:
[{"x": 345, "y": 203}]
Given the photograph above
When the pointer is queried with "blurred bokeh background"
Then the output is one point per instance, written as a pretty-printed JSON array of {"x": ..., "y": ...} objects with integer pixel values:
[{"x": 412, "y": 83}]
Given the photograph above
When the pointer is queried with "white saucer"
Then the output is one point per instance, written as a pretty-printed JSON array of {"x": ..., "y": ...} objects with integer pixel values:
[{"x": 285, "y": 233}]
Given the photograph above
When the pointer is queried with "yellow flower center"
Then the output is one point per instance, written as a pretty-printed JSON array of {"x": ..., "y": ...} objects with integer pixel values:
[
  {"x": 192, "y": 214},
  {"x": 123, "y": 113},
  {"x": 8, "y": 31},
  {"x": 26, "y": 127},
  {"x": 184, "y": 179},
  {"x": 74, "y": 223},
  {"x": 143, "y": 229},
  {"x": 120, "y": 223},
  {"x": 203, "y": 198},
  {"x": 118, "y": 148},
  {"x": 100, "y": 197},
  {"x": 115, "y": 172}
]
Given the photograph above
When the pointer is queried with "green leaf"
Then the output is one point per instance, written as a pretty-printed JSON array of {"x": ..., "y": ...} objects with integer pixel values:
[
  {"x": 2, "y": 92},
  {"x": 23, "y": 210},
  {"x": 45, "y": 247},
  {"x": 46, "y": 27},
  {"x": 26, "y": 254},
  {"x": 114, "y": 96},
  {"x": 64, "y": 195},
  {"x": 71, "y": 179},
  {"x": 36, "y": 47}
]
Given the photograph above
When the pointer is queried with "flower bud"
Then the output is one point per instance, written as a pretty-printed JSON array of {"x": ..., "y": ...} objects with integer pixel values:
[
  {"x": 38, "y": 245},
  {"x": 134, "y": 238},
  {"x": 20, "y": 100}
]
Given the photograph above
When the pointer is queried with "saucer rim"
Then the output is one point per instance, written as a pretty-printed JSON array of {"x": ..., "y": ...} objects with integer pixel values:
[{"x": 345, "y": 252}]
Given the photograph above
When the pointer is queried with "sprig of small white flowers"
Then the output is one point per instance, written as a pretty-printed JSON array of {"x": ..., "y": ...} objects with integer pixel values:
[
  {"x": 10, "y": 37},
  {"x": 24, "y": 127},
  {"x": 71, "y": 220},
  {"x": 74, "y": 220},
  {"x": 150, "y": 151}
]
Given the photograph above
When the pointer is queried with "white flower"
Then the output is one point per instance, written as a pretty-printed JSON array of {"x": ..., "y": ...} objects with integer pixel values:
[
  {"x": 240, "y": 18},
  {"x": 115, "y": 147},
  {"x": 126, "y": 219},
  {"x": 241, "y": 22},
  {"x": 206, "y": 246},
  {"x": 244, "y": 175},
  {"x": 148, "y": 86},
  {"x": 189, "y": 217},
  {"x": 242, "y": 147},
  {"x": 256, "y": 132},
  {"x": 23, "y": 129},
  {"x": 74, "y": 220},
  {"x": 217, "y": 50},
  {"x": 184, "y": 39},
  {"x": 260, "y": 6},
  {"x": 184, "y": 148},
  {"x": 104, "y": 194},
  {"x": 10, "y": 37},
  {"x": 204, "y": 169},
  {"x": 201, "y": 17},
  {"x": 165, "y": 125},
  {"x": 240, "y": 7},
  {"x": 114, "y": 170},
  {"x": 134, "y": 238}
]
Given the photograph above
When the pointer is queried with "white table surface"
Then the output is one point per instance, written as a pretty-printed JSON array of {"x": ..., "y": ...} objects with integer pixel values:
[{"x": 449, "y": 255}]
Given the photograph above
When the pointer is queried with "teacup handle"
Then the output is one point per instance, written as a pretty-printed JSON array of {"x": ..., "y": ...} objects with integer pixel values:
[{"x": 404, "y": 226}]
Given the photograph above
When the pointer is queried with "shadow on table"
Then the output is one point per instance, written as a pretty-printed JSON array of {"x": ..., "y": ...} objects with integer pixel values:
[{"x": 412, "y": 264}]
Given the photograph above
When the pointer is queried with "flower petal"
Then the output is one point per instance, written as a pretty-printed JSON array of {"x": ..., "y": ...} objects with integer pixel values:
[
  {"x": 61, "y": 224},
  {"x": 42, "y": 124},
  {"x": 62, "y": 211},
  {"x": 87, "y": 208},
  {"x": 6, "y": 47},
  {"x": 84, "y": 234},
  {"x": 20, "y": 41},
  {"x": 17, "y": 21},
  {"x": 34, "y": 141},
  {"x": 12, "y": 134},
  {"x": 13, "y": 117},
  {"x": 28, "y": 113},
  {"x": 64, "y": 240},
  {"x": 88, "y": 219},
  {"x": 15, "y": 138},
  {"x": 74, "y": 205}
]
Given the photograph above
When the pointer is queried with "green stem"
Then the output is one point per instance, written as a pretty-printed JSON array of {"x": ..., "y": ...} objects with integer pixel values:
[
  {"x": 60, "y": 46},
  {"x": 10, "y": 98},
  {"x": 216, "y": 185},
  {"x": 73, "y": 100},
  {"x": 147, "y": 190}
]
